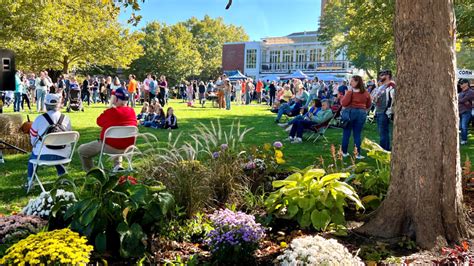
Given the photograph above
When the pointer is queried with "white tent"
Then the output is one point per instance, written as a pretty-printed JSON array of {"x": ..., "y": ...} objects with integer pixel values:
[
  {"x": 465, "y": 74},
  {"x": 272, "y": 77}
]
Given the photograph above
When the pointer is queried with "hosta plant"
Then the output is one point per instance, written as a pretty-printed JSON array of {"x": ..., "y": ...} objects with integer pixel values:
[
  {"x": 311, "y": 197},
  {"x": 315, "y": 250},
  {"x": 58, "y": 247}
]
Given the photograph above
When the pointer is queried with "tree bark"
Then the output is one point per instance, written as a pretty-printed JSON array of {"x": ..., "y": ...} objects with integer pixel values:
[
  {"x": 424, "y": 200},
  {"x": 65, "y": 65}
]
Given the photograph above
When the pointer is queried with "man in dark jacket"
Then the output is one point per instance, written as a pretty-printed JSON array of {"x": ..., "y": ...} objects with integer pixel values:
[{"x": 465, "y": 108}]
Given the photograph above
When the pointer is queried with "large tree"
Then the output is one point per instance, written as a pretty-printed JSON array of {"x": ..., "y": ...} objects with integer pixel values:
[
  {"x": 209, "y": 36},
  {"x": 424, "y": 200},
  {"x": 64, "y": 34}
]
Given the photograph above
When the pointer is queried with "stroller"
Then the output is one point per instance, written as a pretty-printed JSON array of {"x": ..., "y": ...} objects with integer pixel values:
[{"x": 74, "y": 101}]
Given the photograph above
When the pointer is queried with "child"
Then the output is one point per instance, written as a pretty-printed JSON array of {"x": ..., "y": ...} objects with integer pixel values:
[
  {"x": 148, "y": 121},
  {"x": 171, "y": 121},
  {"x": 159, "y": 119},
  {"x": 144, "y": 112},
  {"x": 190, "y": 94}
]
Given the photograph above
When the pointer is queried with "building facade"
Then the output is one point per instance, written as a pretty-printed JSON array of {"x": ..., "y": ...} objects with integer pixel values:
[{"x": 284, "y": 55}]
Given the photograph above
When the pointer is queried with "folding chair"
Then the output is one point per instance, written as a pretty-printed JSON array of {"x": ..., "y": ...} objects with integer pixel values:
[
  {"x": 120, "y": 132},
  {"x": 320, "y": 130},
  {"x": 53, "y": 139}
]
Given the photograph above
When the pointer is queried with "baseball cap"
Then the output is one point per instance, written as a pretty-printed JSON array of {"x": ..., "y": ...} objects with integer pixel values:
[
  {"x": 52, "y": 99},
  {"x": 121, "y": 94}
]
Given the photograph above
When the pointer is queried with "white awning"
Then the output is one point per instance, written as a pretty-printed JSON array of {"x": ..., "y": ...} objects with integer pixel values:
[{"x": 465, "y": 74}]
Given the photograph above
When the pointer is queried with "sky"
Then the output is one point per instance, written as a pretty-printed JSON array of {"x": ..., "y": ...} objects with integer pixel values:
[{"x": 259, "y": 18}]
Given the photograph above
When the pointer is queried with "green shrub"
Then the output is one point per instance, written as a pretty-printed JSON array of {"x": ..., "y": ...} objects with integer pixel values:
[
  {"x": 311, "y": 197},
  {"x": 117, "y": 213}
]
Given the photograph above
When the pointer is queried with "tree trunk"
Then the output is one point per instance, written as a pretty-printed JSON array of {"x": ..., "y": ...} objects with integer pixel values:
[
  {"x": 65, "y": 65},
  {"x": 368, "y": 74},
  {"x": 424, "y": 200}
]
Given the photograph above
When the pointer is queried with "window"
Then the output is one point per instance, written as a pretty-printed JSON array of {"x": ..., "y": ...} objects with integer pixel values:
[
  {"x": 319, "y": 53},
  {"x": 251, "y": 58},
  {"x": 312, "y": 55},
  {"x": 275, "y": 59},
  {"x": 300, "y": 59},
  {"x": 287, "y": 59}
]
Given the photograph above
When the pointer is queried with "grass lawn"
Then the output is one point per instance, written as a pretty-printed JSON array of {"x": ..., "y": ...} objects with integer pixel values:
[{"x": 13, "y": 173}]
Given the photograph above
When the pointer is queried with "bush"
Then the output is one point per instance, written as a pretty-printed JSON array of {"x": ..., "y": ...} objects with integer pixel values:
[
  {"x": 235, "y": 236},
  {"x": 55, "y": 247},
  {"x": 17, "y": 227},
  {"x": 315, "y": 250},
  {"x": 42, "y": 206},
  {"x": 117, "y": 213},
  {"x": 312, "y": 198}
]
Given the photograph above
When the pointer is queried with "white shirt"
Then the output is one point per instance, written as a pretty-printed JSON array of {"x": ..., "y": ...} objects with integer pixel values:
[{"x": 39, "y": 127}]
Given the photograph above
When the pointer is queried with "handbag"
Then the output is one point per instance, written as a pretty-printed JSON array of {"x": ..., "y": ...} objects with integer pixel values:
[{"x": 346, "y": 115}]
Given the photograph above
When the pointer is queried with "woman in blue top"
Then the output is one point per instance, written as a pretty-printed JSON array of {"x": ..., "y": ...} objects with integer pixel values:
[
  {"x": 18, "y": 93},
  {"x": 312, "y": 112}
]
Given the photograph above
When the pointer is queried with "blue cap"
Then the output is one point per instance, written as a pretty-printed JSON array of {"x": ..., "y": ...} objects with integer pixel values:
[{"x": 121, "y": 94}]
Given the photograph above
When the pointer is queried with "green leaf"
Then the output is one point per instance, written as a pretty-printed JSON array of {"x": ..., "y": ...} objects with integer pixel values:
[
  {"x": 89, "y": 214},
  {"x": 337, "y": 217},
  {"x": 292, "y": 211},
  {"x": 138, "y": 194},
  {"x": 99, "y": 175},
  {"x": 328, "y": 178},
  {"x": 285, "y": 183},
  {"x": 313, "y": 173},
  {"x": 101, "y": 242},
  {"x": 305, "y": 219},
  {"x": 320, "y": 219}
]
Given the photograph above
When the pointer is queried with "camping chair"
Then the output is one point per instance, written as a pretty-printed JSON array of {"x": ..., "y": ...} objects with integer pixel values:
[
  {"x": 320, "y": 130},
  {"x": 120, "y": 132},
  {"x": 53, "y": 139}
]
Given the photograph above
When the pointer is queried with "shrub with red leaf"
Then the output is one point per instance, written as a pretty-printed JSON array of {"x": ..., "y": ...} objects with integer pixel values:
[{"x": 131, "y": 179}]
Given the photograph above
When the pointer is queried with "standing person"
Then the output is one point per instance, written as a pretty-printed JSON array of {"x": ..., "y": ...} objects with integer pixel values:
[
  {"x": 238, "y": 92},
  {"x": 25, "y": 94},
  {"x": 383, "y": 97},
  {"x": 249, "y": 87},
  {"x": 95, "y": 89},
  {"x": 39, "y": 129},
  {"x": 314, "y": 90},
  {"x": 86, "y": 85},
  {"x": 18, "y": 92},
  {"x": 227, "y": 93},
  {"x": 202, "y": 93},
  {"x": 189, "y": 93},
  {"x": 103, "y": 90},
  {"x": 220, "y": 91},
  {"x": 162, "y": 85},
  {"x": 465, "y": 98},
  {"x": 343, "y": 88},
  {"x": 152, "y": 88},
  {"x": 272, "y": 90},
  {"x": 108, "y": 87},
  {"x": 132, "y": 90},
  {"x": 41, "y": 90},
  {"x": 118, "y": 115},
  {"x": 146, "y": 88},
  {"x": 357, "y": 101},
  {"x": 258, "y": 91}
]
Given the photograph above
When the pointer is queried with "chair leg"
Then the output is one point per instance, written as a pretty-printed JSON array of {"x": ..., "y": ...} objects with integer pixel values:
[{"x": 39, "y": 183}]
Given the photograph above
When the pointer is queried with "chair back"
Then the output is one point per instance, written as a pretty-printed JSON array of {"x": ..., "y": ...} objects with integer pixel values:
[
  {"x": 61, "y": 138},
  {"x": 121, "y": 132}
]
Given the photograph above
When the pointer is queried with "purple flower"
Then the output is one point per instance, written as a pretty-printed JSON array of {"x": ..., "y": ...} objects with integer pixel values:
[
  {"x": 215, "y": 155},
  {"x": 224, "y": 147},
  {"x": 250, "y": 165},
  {"x": 277, "y": 145}
]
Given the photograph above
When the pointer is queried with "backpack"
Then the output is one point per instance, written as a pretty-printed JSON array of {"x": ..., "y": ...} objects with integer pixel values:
[
  {"x": 42, "y": 83},
  {"x": 54, "y": 128}
]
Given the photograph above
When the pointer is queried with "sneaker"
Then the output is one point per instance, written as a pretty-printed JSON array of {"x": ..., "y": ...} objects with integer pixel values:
[
  {"x": 288, "y": 129},
  {"x": 283, "y": 125},
  {"x": 345, "y": 155},
  {"x": 297, "y": 140},
  {"x": 360, "y": 157},
  {"x": 463, "y": 142},
  {"x": 118, "y": 168},
  {"x": 290, "y": 139}
]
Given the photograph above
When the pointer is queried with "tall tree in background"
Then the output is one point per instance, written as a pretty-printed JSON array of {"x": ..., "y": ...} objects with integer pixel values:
[
  {"x": 65, "y": 34},
  {"x": 209, "y": 36},
  {"x": 424, "y": 200}
]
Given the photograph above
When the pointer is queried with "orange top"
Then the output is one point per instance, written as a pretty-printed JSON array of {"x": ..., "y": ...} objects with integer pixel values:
[
  {"x": 259, "y": 86},
  {"x": 132, "y": 86},
  {"x": 357, "y": 100},
  {"x": 243, "y": 86}
]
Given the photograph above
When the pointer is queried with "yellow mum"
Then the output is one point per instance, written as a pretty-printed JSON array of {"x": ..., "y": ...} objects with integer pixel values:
[
  {"x": 54, "y": 247},
  {"x": 278, "y": 154}
]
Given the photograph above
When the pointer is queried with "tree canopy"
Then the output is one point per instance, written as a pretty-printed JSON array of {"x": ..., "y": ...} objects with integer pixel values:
[
  {"x": 364, "y": 30},
  {"x": 65, "y": 34},
  {"x": 190, "y": 49}
]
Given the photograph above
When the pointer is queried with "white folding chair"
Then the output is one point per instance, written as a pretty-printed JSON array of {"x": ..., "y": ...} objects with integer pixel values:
[
  {"x": 54, "y": 139},
  {"x": 120, "y": 132}
]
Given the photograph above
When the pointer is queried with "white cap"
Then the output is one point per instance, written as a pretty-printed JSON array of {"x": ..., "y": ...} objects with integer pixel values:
[{"x": 52, "y": 99}]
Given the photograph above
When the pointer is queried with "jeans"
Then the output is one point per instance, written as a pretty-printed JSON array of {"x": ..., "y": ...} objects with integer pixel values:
[
  {"x": 464, "y": 124},
  {"x": 284, "y": 109},
  {"x": 17, "y": 102},
  {"x": 247, "y": 97},
  {"x": 46, "y": 157},
  {"x": 95, "y": 95},
  {"x": 272, "y": 98},
  {"x": 24, "y": 98},
  {"x": 299, "y": 126},
  {"x": 383, "y": 126},
  {"x": 86, "y": 94},
  {"x": 227, "y": 100},
  {"x": 356, "y": 124},
  {"x": 40, "y": 94},
  {"x": 131, "y": 99}
]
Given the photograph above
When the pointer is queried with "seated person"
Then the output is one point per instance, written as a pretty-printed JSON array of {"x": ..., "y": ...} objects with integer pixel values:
[
  {"x": 308, "y": 115},
  {"x": 148, "y": 121},
  {"x": 117, "y": 115},
  {"x": 275, "y": 107},
  {"x": 171, "y": 121},
  {"x": 159, "y": 119},
  {"x": 286, "y": 94},
  {"x": 290, "y": 110},
  {"x": 296, "y": 132},
  {"x": 39, "y": 129},
  {"x": 144, "y": 112}
]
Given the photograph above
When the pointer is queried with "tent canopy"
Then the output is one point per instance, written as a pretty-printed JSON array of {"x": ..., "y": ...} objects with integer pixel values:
[
  {"x": 465, "y": 74},
  {"x": 328, "y": 77},
  {"x": 237, "y": 76},
  {"x": 272, "y": 77},
  {"x": 298, "y": 74}
]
